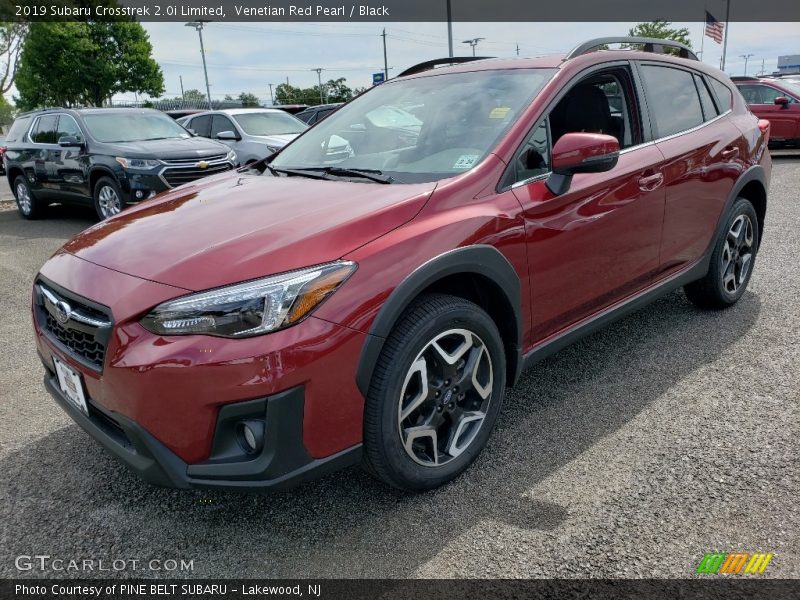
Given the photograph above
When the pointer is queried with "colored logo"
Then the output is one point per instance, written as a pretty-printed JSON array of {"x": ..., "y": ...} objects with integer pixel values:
[
  {"x": 202, "y": 165},
  {"x": 734, "y": 562}
]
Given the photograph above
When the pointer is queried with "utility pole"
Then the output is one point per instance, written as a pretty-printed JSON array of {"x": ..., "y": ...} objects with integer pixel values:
[
  {"x": 762, "y": 66},
  {"x": 271, "y": 97},
  {"x": 183, "y": 94},
  {"x": 473, "y": 42},
  {"x": 198, "y": 25},
  {"x": 727, "y": 30},
  {"x": 517, "y": 49},
  {"x": 319, "y": 77},
  {"x": 450, "y": 28},
  {"x": 385, "y": 60},
  {"x": 746, "y": 57}
]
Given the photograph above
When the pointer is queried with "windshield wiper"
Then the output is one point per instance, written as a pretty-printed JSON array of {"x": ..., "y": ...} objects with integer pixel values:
[
  {"x": 311, "y": 174},
  {"x": 371, "y": 174}
]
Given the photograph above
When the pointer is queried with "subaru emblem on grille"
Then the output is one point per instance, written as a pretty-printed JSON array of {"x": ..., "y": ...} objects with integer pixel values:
[
  {"x": 202, "y": 165},
  {"x": 63, "y": 311}
]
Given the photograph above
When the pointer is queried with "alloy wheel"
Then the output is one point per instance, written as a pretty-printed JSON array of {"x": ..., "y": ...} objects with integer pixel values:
[
  {"x": 24, "y": 199},
  {"x": 445, "y": 397},
  {"x": 109, "y": 201},
  {"x": 737, "y": 254}
]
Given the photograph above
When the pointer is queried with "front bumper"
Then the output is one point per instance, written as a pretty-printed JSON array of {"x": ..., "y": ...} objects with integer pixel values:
[{"x": 282, "y": 463}]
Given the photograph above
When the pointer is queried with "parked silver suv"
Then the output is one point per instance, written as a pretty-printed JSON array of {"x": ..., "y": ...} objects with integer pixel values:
[{"x": 253, "y": 133}]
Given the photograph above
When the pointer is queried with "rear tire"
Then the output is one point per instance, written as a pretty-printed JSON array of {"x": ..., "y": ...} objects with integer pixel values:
[
  {"x": 108, "y": 199},
  {"x": 732, "y": 261},
  {"x": 435, "y": 394},
  {"x": 28, "y": 205}
]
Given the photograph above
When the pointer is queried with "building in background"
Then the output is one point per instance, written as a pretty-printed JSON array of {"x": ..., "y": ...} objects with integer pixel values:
[{"x": 789, "y": 65}]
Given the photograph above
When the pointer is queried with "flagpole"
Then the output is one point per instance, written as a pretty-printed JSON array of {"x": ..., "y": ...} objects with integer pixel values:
[
  {"x": 703, "y": 35},
  {"x": 727, "y": 25}
]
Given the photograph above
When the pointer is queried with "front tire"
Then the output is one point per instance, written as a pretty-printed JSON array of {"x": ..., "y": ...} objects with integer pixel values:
[
  {"x": 28, "y": 205},
  {"x": 108, "y": 200},
  {"x": 435, "y": 394},
  {"x": 731, "y": 262}
]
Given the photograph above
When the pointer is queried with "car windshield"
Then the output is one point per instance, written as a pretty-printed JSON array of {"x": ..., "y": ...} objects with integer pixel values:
[
  {"x": 792, "y": 86},
  {"x": 269, "y": 123},
  {"x": 418, "y": 129},
  {"x": 132, "y": 127}
]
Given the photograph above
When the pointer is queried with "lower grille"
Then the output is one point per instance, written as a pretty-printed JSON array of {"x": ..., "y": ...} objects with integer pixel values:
[{"x": 79, "y": 326}]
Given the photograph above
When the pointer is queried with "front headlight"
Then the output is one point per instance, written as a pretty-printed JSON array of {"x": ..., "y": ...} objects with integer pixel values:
[
  {"x": 232, "y": 156},
  {"x": 250, "y": 308},
  {"x": 137, "y": 163}
]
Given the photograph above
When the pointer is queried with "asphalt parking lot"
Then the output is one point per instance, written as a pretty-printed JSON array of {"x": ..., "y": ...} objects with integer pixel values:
[{"x": 671, "y": 433}]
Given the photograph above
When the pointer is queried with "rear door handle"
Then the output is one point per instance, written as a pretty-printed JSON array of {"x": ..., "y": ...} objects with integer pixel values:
[
  {"x": 648, "y": 183},
  {"x": 730, "y": 153}
]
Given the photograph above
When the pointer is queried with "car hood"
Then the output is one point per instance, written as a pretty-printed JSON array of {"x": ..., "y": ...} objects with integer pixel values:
[
  {"x": 276, "y": 140},
  {"x": 240, "y": 226},
  {"x": 195, "y": 147}
]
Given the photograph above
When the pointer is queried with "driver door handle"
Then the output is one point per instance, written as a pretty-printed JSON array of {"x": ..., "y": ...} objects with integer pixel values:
[{"x": 648, "y": 183}]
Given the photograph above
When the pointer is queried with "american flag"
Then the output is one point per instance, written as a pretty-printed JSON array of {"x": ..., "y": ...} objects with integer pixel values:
[{"x": 714, "y": 29}]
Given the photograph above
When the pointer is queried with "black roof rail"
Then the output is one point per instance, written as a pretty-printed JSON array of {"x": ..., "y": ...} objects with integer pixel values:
[
  {"x": 430, "y": 64},
  {"x": 654, "y": 45},
  {"x": 744, "y": 78},
  {"x": 38, "y": 110}
]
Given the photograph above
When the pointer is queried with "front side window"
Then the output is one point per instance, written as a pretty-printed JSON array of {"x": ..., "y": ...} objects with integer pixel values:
[
  {"x": 67, "y": 127},
  {"x": 270, "y": 123},
  {"x": 44, "y": 131},
  {"x": 120, "y": 127},
  {"x": 421, "y": 128},
  {"x": 220, "y": 123},
  {"x": 672, "y": 99}
]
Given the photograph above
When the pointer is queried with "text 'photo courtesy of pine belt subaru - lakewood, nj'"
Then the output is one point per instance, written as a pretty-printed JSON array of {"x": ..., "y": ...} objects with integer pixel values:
[
  {"x": 109, "y": 158},
  {"x": 318, "y": 310}
]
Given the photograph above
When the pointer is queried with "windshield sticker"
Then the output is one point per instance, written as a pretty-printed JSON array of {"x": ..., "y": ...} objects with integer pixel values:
[
  {"x": 465, "y": 161},
  {"x": 500, "y": 112}
]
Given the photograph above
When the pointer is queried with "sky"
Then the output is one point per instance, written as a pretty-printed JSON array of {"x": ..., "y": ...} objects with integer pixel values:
[{"x": 249, "y": 56}]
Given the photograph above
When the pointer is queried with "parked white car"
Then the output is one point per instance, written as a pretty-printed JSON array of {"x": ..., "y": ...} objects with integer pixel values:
[{"x": 253, "y": 133}]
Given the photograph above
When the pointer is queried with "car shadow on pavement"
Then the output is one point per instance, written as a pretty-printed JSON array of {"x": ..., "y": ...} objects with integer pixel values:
[
  {"x": 65, "y": 496},
  {"x": 60, "y": 221}
]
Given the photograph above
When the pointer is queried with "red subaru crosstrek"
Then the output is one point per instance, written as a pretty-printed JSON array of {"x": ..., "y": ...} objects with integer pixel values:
[{"x": 368, "y": 293}]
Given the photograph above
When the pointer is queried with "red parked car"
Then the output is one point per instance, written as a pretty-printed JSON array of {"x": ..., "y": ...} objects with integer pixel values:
[
  {"x": 321, "y": 309},
  {"x": 778, "y": 101}
]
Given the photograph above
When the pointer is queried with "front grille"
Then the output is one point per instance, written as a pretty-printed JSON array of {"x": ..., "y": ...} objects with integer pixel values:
[
  {"x": 175, "y": 176},
  {"x": 190, "y": 162},
  {"x": 79, "y": 326}
]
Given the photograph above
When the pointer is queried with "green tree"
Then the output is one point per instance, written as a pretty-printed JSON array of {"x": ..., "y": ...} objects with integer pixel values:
[
  {"x": 249, "y": 100},
  {"x": 194, "y": 96},
  {"x": 336, "y": 90},
  {"x": 6, "y": 112},
  {"x": 74, "y": 63},
  {"x": 12, "y": 36},
  {"x": 661, "y": 30}
]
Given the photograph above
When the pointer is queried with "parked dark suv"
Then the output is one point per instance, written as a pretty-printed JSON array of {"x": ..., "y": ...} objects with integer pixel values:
[
  {"x": 106, "y": 157},
  {"x": 312, "y": 311}
]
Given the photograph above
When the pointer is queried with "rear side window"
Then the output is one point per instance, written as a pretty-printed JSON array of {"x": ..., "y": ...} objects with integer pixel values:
[
  {"x": 45, "y": 130},
  {"x": 709, "y": 110},
  {"x": 724, "y": 95},
  {"x": 672, "y": 99},
  {"x": 201, "y": 125},
  {"x": 18, "y": 129}
]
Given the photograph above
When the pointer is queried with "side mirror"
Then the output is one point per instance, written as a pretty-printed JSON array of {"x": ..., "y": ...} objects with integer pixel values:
[
  {"x": 228, "y": 136},
  {"x": 69, "y": 141},
  {"x": 782, "y": 101},
  {"x": 581, "y": 153}
]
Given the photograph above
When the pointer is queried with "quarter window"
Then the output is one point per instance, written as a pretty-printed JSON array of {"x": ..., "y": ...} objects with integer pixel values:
[
  {"x": 724, "y": 95},
  {"x": 18, "y": 129},
  {"x": 672, "y": 99},
  {"x": 709, "y": 110}
]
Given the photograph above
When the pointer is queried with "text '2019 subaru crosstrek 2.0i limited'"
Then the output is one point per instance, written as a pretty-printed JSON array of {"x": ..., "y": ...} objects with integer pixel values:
[{"x": 258, "y": 328}]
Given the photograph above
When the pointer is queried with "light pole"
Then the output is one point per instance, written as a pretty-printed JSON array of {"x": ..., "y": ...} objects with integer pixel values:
[
  {"x": 319, "y": 78},
  {"x": 745, "y": 57},
  {"x": 473, "y": 42},
  {"x": 450, "y": 29},
  {"x": 198, "y": 25},
  {"x": 271, "y": 97}
]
